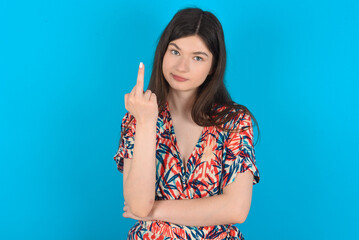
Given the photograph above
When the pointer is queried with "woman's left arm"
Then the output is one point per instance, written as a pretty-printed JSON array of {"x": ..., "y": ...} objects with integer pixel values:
[{"x": 228, "y": 208}]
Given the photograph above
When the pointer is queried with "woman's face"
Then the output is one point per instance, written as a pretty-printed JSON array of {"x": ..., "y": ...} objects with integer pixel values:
[{"x": 189, "y": 59}]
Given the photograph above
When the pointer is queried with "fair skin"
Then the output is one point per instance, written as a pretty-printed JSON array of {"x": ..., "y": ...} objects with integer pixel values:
[
  {"x": 182, "y": 58},
  {"x": 188, "y": 58},
  {"x": 139, "y": 174}
]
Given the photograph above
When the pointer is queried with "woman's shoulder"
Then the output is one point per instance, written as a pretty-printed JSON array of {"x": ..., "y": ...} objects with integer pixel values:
[
  {"x": 234, "y": 114},
  {"x": 128, "y": 118}
]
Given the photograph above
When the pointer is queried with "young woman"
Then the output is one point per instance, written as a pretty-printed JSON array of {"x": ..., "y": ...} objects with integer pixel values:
[{"x": 185, "y": 146}]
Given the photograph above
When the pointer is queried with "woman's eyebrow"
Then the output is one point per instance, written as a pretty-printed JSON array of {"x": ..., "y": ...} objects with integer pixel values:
[{"x": 203, "y": 53}]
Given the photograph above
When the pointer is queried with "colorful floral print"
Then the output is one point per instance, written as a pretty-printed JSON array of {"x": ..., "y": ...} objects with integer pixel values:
[{"x": 214, "y": 163}]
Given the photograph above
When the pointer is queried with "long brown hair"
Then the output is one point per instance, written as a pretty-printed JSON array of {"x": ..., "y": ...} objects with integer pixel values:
[{"x": 189, "y": 22}]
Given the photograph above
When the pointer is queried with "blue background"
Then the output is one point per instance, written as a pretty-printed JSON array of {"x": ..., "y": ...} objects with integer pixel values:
[{"x": 66, "y": 65}]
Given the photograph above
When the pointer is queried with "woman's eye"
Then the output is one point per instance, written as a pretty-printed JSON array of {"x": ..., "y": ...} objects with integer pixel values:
[
  {"x": 174, "y": 52},
  {"x": 177, "y": 53},
  {"x": 200, "y": 59}
]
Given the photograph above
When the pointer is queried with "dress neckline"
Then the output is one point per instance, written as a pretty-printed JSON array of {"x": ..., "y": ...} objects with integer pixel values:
[{"x": 195, "y": 152}]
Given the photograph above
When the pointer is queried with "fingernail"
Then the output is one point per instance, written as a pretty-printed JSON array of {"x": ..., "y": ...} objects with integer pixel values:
[{"x": 141, "y": 64}]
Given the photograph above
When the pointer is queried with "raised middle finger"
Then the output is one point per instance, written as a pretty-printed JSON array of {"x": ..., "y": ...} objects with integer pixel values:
[{"x": 140, "y": 79}]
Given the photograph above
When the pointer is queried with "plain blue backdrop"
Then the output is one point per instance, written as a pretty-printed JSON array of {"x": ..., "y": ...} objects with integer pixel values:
[{"x": 66, "y": 65}]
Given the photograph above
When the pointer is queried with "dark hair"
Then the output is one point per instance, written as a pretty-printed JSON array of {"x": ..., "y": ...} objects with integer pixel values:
[{"x": 189, "y": 22}]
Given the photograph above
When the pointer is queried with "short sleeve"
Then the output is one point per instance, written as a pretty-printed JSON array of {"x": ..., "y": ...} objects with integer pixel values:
[
  {"x": 239, "y": 150},
  {"x": 125, "y": 149}
]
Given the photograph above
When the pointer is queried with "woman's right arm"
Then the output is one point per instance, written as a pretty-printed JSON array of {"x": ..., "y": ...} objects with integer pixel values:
[
  {"x": 140, "y": 172},
  {"x": 139, "y": 175}
]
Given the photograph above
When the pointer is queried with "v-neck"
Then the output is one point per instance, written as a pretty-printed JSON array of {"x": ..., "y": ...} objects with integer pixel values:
[{"x": 197, "y": 147}]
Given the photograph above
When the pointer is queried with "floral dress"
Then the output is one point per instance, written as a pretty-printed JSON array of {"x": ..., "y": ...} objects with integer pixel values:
[{"x": 216, "y": 159}]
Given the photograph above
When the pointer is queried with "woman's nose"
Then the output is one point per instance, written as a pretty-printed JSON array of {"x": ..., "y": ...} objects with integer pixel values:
[{"x": 183, "y": 65}]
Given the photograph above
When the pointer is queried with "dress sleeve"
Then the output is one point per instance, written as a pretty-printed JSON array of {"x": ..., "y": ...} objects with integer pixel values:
[
  {"x": 239, "y": 150},
  {"x": 125, "y": 149}
]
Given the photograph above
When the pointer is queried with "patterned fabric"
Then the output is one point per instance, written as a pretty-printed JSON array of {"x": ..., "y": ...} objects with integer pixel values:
[{"x": 216, "y": 159}]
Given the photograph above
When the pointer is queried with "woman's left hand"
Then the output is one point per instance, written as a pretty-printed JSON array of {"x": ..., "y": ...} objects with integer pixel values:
[{"x": 129, "y": 214}]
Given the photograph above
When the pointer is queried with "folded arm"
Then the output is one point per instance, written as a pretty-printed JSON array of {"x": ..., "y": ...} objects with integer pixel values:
[{"x": 228, "y": 208}]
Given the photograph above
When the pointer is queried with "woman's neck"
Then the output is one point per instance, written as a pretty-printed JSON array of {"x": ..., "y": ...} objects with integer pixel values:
[{"x": 180, "y": 104}]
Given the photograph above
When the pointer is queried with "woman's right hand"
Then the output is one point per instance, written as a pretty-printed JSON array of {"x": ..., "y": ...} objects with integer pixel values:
[{"x": 142, "y": 105}]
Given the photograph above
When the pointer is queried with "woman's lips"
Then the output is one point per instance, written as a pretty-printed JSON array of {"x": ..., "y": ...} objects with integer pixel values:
[{"x": 179, "y": 78}]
